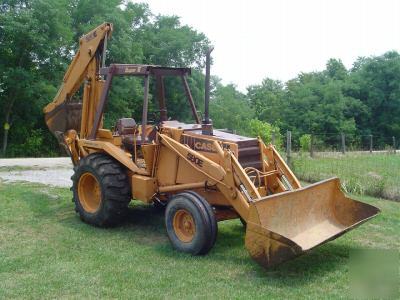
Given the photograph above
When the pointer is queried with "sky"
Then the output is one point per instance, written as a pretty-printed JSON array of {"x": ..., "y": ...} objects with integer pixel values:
[{"x": 255, "y": 39}]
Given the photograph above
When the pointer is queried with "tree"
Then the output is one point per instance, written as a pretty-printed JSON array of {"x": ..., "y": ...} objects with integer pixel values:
[
  {"x": 230, "y": 109},
  {"x": 335, "y": 69},
  {"x": 33, "y": 37},
  {"x": 38, "y": 39},
  {"x": 314, "y": 102},
  {"x": 376, "y": 82},
  {"x": 268, "y": 100}
]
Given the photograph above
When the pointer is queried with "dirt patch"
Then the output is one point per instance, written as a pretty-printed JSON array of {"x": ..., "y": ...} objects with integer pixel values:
[
  {"x": 51, "y": 171},
  {"x": 374, "y": 176}
]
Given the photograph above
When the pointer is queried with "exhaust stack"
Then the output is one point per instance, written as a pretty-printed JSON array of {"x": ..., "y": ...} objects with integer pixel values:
[{"x": 207, "y": 127}]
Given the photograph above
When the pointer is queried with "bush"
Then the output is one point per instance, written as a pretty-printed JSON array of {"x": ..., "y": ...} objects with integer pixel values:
[
  {"x": 265, "y": 131},
  {"x": 36, "y": 144},
  {"x": 305, "y": 143}
]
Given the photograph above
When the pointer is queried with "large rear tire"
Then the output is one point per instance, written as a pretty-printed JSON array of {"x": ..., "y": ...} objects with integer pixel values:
[
  {"x": 101, "y": 191},
  {"x": 191, "y": 223}
]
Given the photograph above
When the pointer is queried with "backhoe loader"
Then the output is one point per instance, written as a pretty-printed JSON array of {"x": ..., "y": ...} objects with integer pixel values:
[{"x": 202, "y": 175}]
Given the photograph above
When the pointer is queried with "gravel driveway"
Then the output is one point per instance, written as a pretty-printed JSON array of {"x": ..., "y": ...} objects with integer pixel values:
[{"x": 55, "y": 171}]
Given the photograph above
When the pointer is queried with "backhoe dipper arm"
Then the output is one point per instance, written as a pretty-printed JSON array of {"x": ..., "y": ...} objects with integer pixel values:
[{"x": 90, "y": 46}]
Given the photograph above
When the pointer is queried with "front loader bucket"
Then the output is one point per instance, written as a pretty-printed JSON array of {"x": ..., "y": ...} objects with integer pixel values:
[{"x": 285, "y": 225}]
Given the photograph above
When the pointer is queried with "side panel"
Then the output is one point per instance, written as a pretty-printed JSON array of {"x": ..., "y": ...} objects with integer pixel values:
[
  {"x": 167, "y": 167},
  {"x": 187, "y": 174},
  {"x": 214, "y": 197},
  {"x": 148, "y": 154},
  {"x": 206, "y": 147},
  {"x": 143, "y": 187}
]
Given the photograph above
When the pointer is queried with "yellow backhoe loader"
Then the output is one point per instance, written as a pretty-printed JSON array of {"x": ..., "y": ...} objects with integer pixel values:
[{"x": 200, "y": 174}]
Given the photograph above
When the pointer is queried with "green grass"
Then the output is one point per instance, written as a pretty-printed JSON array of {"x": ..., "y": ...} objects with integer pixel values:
[
  {"x": 47, "y": 252},
  {"x": 20, "y": 168},
  {"x": 374, "y": 175}
]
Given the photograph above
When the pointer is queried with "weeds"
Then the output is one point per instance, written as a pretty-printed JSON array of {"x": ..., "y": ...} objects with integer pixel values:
[{"x": 375, "y": 175}]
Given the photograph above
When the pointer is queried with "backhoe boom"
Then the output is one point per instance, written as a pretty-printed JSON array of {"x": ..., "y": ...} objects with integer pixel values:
[{"x": 61, "y": 114}]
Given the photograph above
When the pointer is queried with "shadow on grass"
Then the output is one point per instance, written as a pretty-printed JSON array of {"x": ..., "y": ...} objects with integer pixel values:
[
  {"x": 145, "y": 225},
  {"x": 297, "y": 272},
  {"x": 310, "y": 266}
]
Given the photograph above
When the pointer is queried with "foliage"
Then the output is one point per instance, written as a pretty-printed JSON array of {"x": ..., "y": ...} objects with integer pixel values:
[
  {"x": 33, "y": 35},
  {"x": 229, "y": 109},
  {"x": 305, "y": 142},
  {"x": 360, "y": 101},
  {"x": 376, "y": 82},
  {"x": 268, "y": 99},
  {"x": 38, "y": 39},
  {"x": 265, "y": 131}
]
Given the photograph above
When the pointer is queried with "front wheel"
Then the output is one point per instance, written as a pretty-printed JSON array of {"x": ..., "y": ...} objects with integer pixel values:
[
  {"x": 191, "y": 223},
  {"x": 101, "y": 191}
]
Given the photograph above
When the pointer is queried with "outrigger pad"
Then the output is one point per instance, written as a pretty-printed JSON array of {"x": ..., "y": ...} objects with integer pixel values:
[{"x": 283, "y": 226}]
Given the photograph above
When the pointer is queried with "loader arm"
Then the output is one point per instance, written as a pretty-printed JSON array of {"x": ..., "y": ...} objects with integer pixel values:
[
  {"x": 290, "y": 219},
  {"x": 85, "y": 66},
  {"x": 229, "y": 178}
]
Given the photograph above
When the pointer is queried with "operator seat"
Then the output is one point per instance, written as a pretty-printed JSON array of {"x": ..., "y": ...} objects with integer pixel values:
[
  {"x": 127, "y": 129},
  {"x": 129, "y": 132}
]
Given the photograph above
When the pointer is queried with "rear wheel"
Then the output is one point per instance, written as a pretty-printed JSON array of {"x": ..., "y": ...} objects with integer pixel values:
[
  {"x": 191, "y": 224},
  {"x": 89, "y": 192},
  {"x": 101, "y": 191}
]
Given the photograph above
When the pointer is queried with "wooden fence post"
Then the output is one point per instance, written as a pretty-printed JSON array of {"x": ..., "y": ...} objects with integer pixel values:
[
  {"x": 273, "y": 138},
  {"x": 370, "y": 143},
  {"x": 394, "y": 144},
  {"x": 288, "y": 147},
  {"x": 312, "y": 146},
  {"x": 343, "y": 143}
]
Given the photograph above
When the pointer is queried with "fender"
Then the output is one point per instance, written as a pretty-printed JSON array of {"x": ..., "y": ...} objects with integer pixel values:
[{"x": 115, "y": 152}]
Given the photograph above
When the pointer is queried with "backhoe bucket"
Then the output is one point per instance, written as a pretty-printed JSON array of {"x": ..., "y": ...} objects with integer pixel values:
[
  {"x": 285, "y": 225},
  {"x": 64, "y": 117}
]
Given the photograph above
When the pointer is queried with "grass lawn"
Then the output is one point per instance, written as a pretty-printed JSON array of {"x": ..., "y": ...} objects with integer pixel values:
[
  {"x": 47, "y": 252},
  {"x": 374, "y": 175}
]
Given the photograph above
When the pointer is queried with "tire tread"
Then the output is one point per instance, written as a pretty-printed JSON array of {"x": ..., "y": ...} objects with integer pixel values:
[{"x": 114, "y": 185}]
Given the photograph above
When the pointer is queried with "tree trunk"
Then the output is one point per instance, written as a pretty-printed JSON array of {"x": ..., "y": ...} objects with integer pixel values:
[
  {"x": 5, "y": 141},
  {"x": 6, "y": 129}
]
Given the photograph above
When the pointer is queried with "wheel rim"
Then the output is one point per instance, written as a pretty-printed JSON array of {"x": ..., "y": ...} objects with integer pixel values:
[
  {"x": 89, "y": 192},
  {"x": 184, "y": 225}
]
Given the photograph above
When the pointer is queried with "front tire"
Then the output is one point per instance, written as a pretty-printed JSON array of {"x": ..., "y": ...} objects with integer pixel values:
[
  {"x": 101, "y": 191},
  {"x": 191, "y": 223}
]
